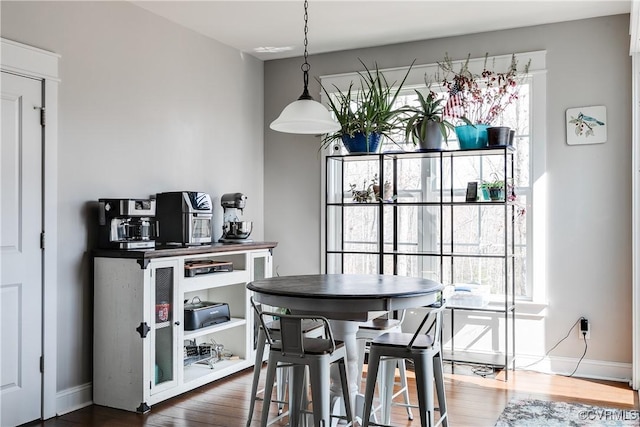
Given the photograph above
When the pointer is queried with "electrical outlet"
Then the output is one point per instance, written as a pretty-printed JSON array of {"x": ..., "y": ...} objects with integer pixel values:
[{"x": 585, "y": 328}]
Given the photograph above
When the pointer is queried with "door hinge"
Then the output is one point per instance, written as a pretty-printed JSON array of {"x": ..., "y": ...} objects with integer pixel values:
[
  {"x": 42, "y": 364},
  {"x": 42, "y": 240},
  {"x": 43, "y": 115}
]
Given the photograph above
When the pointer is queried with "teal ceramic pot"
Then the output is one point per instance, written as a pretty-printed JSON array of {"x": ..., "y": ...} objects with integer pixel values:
[
  {"x": 471, "y": 137},
  {"x": 359, "y": 143}
]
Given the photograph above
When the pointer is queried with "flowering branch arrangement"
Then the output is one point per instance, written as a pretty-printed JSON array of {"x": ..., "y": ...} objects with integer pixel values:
[{"x": 480, "y": 98}]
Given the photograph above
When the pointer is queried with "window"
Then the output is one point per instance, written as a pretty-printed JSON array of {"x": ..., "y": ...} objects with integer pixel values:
[{"x": 418, "y": 180}]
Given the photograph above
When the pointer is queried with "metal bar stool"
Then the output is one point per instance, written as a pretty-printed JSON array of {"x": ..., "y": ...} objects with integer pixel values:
[
  {"x": 425, "y": 351},
  {"x": 294, "y": 349},
  {"x": 367, "y": 332},
  {"x": 311, "y": 328}
]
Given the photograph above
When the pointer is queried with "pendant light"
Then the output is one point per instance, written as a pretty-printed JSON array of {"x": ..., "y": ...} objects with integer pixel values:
[{"x": 305, "y": 116}]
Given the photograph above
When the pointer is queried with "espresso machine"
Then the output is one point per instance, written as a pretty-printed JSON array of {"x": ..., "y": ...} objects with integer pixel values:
[
  {"x": 234, "y": 229},
  {"x": 126, "y": 223}
]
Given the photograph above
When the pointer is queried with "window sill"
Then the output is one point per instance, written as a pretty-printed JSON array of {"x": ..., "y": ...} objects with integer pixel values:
[{"x": 531, "y": 309}]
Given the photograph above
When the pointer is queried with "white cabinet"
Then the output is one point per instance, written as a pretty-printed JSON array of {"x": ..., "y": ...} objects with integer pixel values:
[{"x": 142, "y": 352}]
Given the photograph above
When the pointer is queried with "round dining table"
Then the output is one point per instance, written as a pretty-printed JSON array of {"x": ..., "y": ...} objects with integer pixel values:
[{"x": 346, "y": 300}]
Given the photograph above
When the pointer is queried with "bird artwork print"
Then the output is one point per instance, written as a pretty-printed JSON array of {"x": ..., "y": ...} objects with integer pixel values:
[{"x": 585, "y": 125}]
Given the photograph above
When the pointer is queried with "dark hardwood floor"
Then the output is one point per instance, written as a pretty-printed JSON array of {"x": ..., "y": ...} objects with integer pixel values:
[{"x": 472, "y": 400}]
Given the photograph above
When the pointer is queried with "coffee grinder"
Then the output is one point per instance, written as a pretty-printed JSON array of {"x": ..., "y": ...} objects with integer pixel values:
[{"x": 234, "y": 229}]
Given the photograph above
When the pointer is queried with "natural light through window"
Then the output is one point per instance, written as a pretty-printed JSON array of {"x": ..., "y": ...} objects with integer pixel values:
[{"x": 359, "y": 242}]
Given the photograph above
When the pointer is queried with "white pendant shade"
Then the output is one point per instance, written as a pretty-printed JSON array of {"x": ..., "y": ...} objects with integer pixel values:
[{"x": 305, "y": 116}]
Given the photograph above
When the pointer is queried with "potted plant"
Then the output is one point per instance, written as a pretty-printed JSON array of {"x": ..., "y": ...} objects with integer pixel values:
[
  {"x": 477, "y": 100},
  {"x": 425, "y": 124},
  {"x": 494, "y": 189},
  {"x": 369, "y": 193},
  {"x": 365, "y": 116}
]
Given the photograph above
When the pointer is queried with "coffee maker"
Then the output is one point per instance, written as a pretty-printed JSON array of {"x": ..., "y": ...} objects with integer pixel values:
[
  {"x": 234, "y": 229},
  {"x": 126, "y": 223},
  {"x": 185, "y": 218}
]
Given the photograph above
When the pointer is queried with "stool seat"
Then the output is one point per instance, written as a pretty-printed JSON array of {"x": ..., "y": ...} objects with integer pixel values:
[
  {"x": 380, "y": 324},
  {"x": 399, "y": 339},
  {"x": 314, "y": 345}
]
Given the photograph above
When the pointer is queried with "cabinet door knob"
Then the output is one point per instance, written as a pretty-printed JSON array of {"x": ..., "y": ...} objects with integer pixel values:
[{"x": 177, "y": 323}]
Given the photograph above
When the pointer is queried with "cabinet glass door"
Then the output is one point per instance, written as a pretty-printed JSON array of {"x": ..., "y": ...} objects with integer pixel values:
[{"x": 164, "y": 317}]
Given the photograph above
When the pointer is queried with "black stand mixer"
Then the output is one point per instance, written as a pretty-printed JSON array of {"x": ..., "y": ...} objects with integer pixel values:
[{"x": 234, "y": 230}]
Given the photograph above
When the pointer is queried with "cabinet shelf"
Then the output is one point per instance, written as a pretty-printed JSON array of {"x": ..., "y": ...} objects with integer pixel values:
[
  {"x": 486, "y": 151},
  {"x": 214, "y": 280},
  {"x": 197, "y": 359},
  {"x": 473, "y": 255},
  {"x": 220, "y": 369},
  {"x": 495, "y": 360},
  {"x": 417, "y": 203},
  {"x": 234, "y": 322}
]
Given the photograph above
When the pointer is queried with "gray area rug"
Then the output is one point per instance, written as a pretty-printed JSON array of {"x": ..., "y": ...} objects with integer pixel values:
[{"x": 534, "y": 413}]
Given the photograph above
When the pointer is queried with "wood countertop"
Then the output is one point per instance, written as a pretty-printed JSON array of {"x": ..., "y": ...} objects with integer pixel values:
[{"x": 168, "y": 251}]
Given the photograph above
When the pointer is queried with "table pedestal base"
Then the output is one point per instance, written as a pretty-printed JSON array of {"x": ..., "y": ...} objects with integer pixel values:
[{"x": 346, "y": 331}]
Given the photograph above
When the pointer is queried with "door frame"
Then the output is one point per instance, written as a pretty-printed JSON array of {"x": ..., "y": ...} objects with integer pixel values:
[
  {"x": 29, "y": 61},
  {"x": 635, "y": 60},
  {"x": 634, "y": 51}
]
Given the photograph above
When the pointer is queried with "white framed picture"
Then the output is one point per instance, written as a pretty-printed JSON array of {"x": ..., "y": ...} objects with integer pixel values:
[{"x": 586, "y": 125}]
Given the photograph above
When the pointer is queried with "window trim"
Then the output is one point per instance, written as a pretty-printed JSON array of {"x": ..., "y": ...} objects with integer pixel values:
[{"x": 538, "y": 142}]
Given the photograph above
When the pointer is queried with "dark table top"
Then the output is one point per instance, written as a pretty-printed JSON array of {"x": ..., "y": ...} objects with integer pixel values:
[{"x": 345, "y": 296}]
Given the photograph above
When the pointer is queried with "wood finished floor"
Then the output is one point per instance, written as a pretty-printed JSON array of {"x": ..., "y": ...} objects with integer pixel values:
[{"x": 472, "y": 400}]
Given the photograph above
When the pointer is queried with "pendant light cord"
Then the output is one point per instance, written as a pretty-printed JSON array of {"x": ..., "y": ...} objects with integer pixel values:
[
  {"x": 305, "y": 116},
  {"x": 305, "y": 67}
]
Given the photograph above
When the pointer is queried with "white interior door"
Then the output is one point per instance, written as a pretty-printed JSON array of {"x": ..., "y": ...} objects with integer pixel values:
[{"x": 21, "y": 266}]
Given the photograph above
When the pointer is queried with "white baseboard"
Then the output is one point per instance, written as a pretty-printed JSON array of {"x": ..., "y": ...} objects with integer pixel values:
[
  {"x": 594, "y": 369},
  {"x": 74, "y": 398}
]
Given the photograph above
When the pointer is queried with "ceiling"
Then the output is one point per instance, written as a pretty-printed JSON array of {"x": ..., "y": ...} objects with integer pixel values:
[{"x": 274, "y": 29}]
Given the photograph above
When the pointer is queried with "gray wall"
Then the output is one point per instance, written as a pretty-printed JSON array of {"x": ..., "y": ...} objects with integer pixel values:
[
  {"x": 589, "y": 198},
  {"x": 145, "y": 106}
]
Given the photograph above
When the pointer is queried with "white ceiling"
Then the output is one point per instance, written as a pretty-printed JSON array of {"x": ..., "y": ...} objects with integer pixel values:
[{"x": 339, "y": 25}]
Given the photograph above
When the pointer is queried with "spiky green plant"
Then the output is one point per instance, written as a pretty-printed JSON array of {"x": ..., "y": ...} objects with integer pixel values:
[
  {"x": 417, "y": 118},
  {"x": 369, "y": 110}
]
